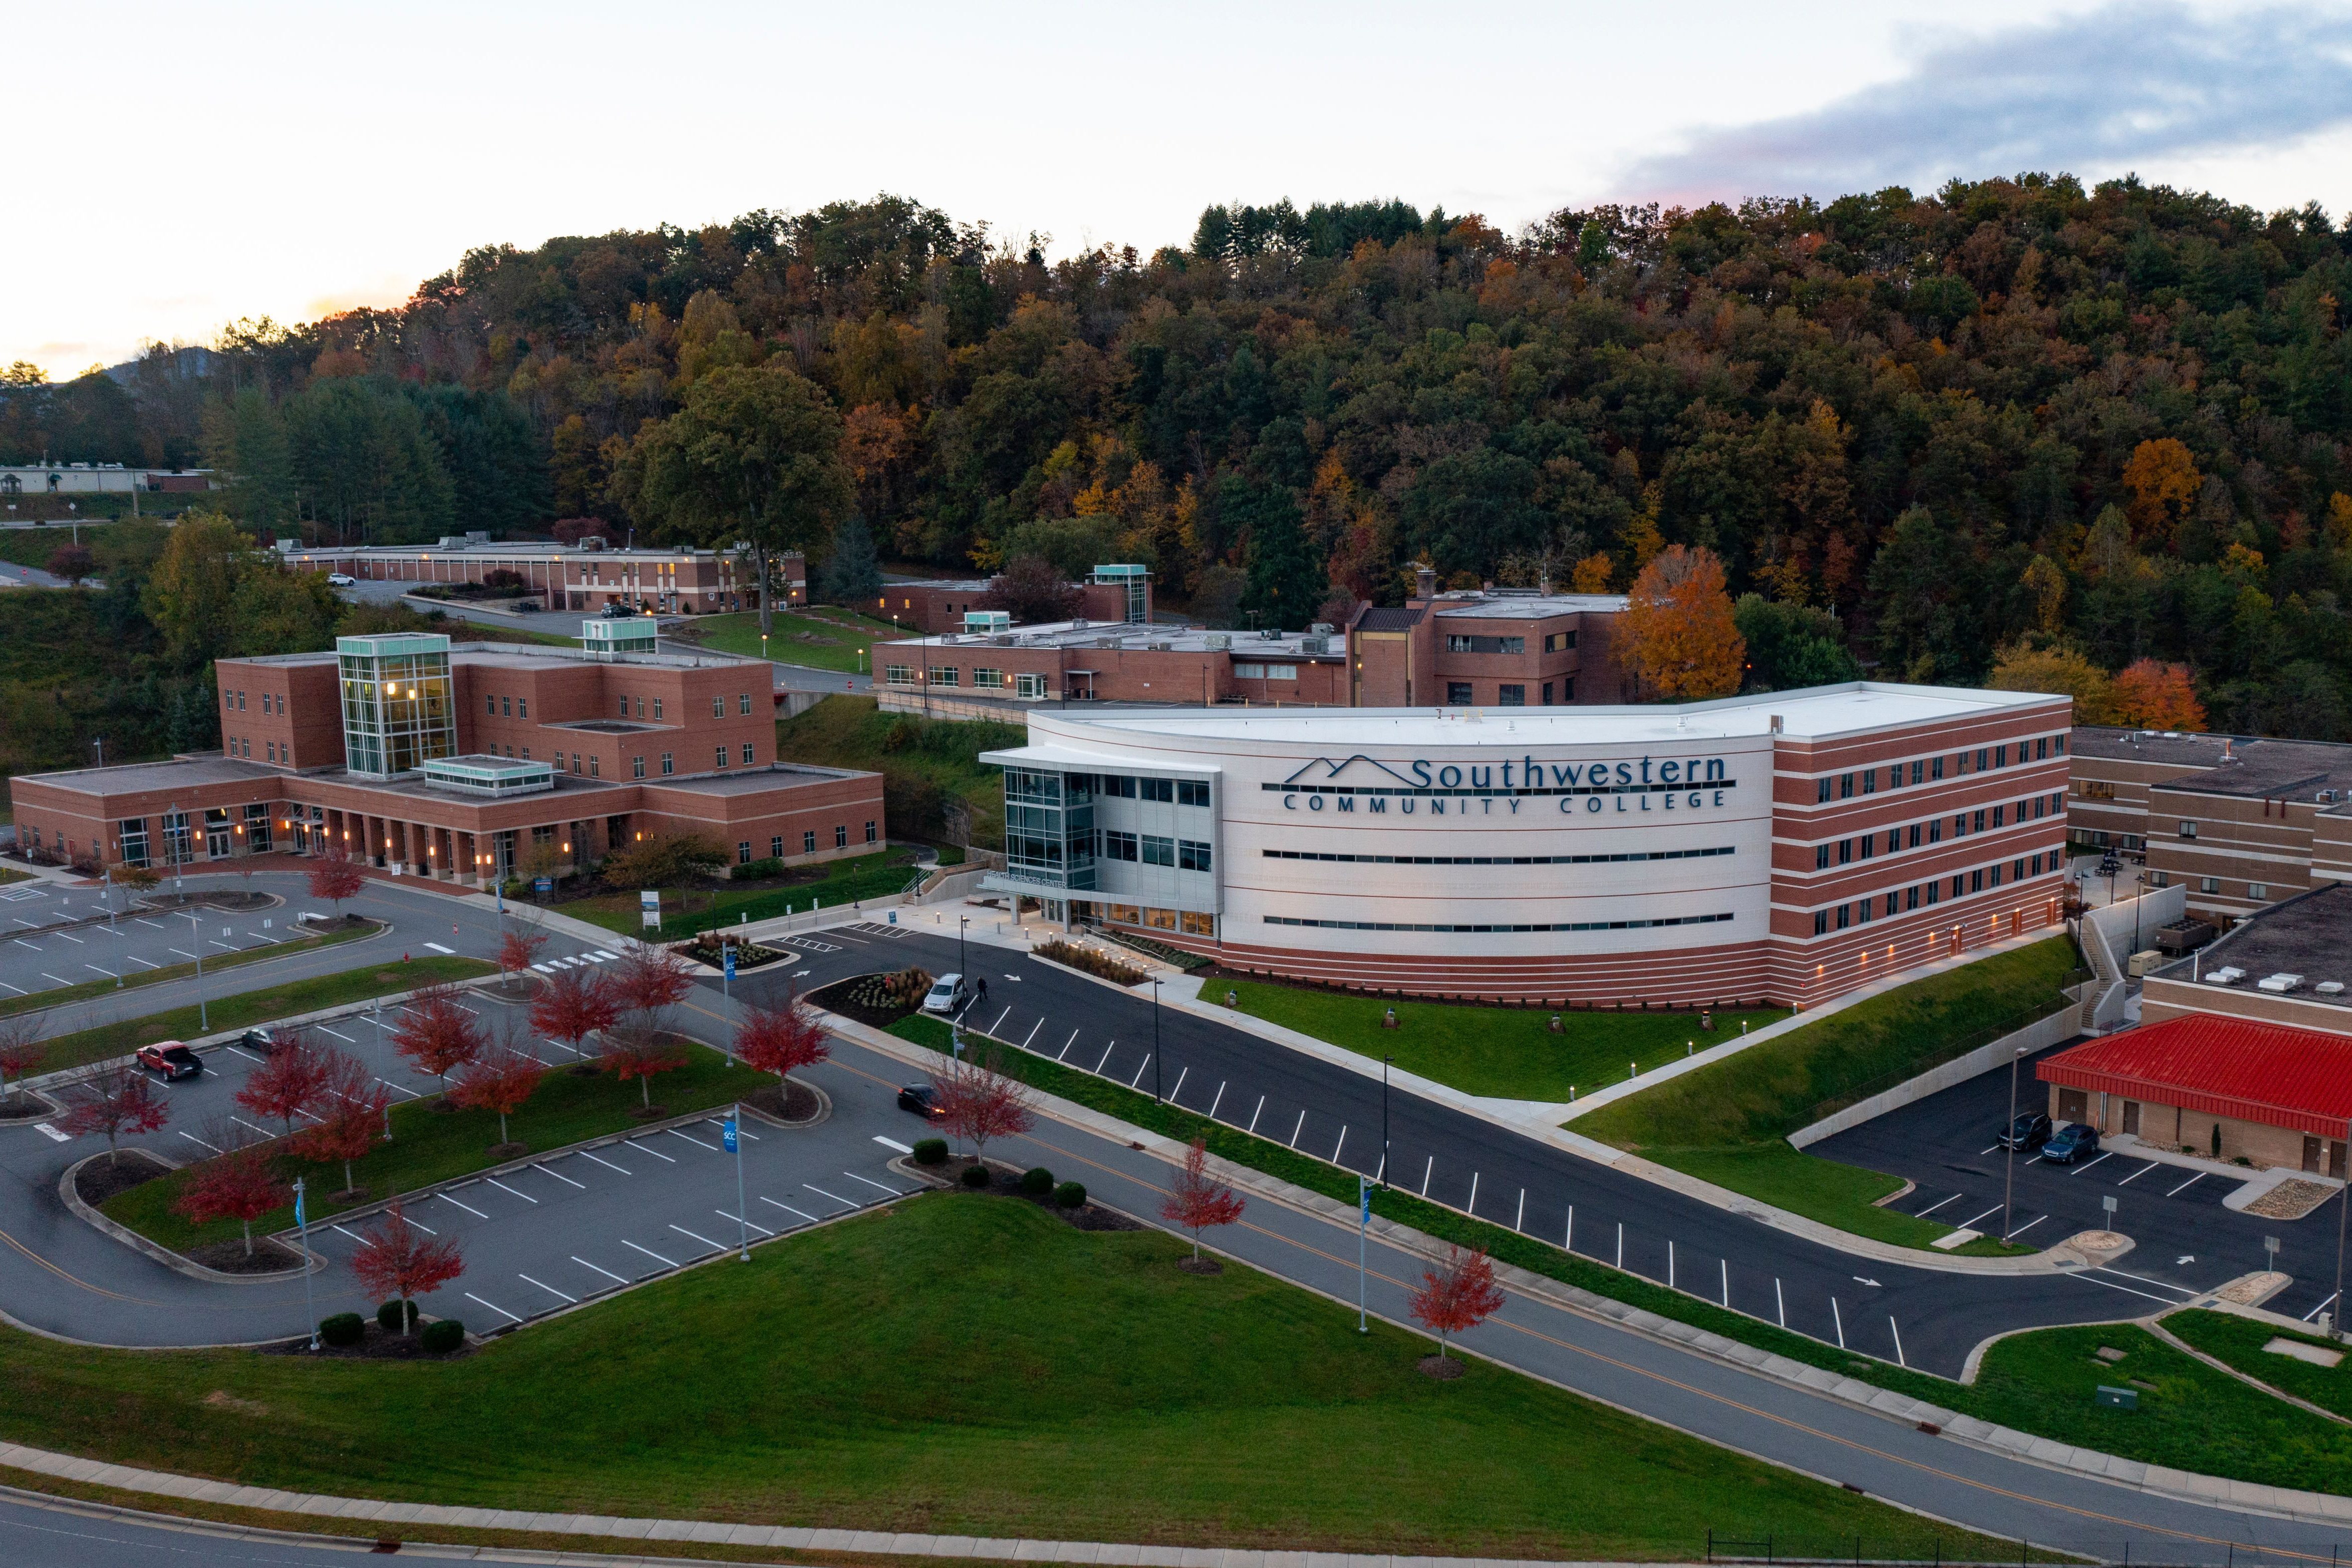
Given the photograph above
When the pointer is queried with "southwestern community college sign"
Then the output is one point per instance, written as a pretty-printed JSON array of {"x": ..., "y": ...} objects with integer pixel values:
[{"x": 1438, "y": 786}]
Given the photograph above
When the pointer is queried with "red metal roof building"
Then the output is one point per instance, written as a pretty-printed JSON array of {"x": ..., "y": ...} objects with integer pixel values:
[{"x": 2223, "y": 1087}]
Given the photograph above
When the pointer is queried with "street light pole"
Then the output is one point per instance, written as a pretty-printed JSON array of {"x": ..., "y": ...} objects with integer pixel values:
[
  {"x": 195, "y": 926},
  {"x": 376, "y": 1012},
  {"x": 302, "y": 1224},
  {"x": 2343, "y": 1203},
  {"x": 1155, "y": 1042},
  {"x": 2008, "y": 1172},
  {"x": 1385, "y": 1062}
]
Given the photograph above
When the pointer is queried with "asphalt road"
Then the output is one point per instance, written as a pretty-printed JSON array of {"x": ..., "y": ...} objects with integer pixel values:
[
  {"x": 1918, "y": 1316},
  {"x": 2187, "y": 1241}
]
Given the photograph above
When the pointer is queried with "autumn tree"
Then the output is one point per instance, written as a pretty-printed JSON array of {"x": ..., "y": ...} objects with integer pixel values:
[
  {"x": 288, "y": 1080},
  {"x": 977, "y": 1101},
  {"x": 1456, "y": 1295},
  {"x": 1592, "y": 574},
  {"x": 336, "y": 876},
  {"x": 573, "y": 1005},
  {"x": 2150, "y": 694},
  {"x": 236, "y": 1185},
  {"x": 71, "y": 563},
  {"x": 649, "y": 981},
  {"x": 436, "y": 1034},
  {"x": 349, "y": 1111},
  {"x": 1680, "y": 637},
  {"x": 753, "y": 453},
  {"x": 115, "y": 1101},
  {"x": 2056, "y": 667},
  {"x": 2162, "y": 478},
  {"x": 21, "y": 1050},
  {"x": 518, "y": 951},
  {"x": 398, "y": 1261},
  {"x": 1198, "y": 1202},
  {"x": 633, "y": 1051},
  {"x": 1033, "y": 591},
  {"x": 777, "y": 1040},
  {"x": 502, "y": 1079}
]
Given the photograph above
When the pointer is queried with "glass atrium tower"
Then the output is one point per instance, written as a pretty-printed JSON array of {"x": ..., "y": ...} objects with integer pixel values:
[{"x": 398, "y": 712}]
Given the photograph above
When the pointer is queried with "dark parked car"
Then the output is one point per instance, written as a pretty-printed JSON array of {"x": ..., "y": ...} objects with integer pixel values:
[
  {"x": 260, "y": 1040},
  {"x": 617, "y": 610},
  {"x": 2030, "y": 1131},
  {"x": 922, "y": 1099},
  {"x": 172, "y": 1059},
  {"x": 2072, "y": 1142}
]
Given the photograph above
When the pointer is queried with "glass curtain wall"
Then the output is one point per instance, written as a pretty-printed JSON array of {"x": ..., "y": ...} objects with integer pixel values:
[
  {"x": 397, "y": 708},
  {"x": 1049, "y": 827}
]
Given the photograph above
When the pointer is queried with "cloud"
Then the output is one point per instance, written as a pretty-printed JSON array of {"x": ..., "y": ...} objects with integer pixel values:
[{"x": 2096, "y": 94}]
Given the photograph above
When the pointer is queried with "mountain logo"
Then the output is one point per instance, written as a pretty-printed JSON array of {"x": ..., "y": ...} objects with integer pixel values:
[{"x": 1331, "y": 769}]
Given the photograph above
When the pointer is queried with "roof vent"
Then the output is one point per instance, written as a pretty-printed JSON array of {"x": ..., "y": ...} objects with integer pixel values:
[
  {"x": 2228, "y": 754},
  {"x": 2279, "y": 983},
  {"x": 1321, "y": 628},
  {"x": 1219, "y": 641},
  {"x": 2329, "y": 987},
  {"x": 1776, "y": 724},
  {"x": 2227, "y": 975},
  {"x": 1160, "y": 647},
  {"x": 1077, "y": 622},
  {"x": 1314, "y": 645}
]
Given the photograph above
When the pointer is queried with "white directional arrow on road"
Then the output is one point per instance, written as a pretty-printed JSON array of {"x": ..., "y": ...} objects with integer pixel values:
[
  {"x": 2188, "y": 1257},
  {"x": 1871, "y": 1284}
]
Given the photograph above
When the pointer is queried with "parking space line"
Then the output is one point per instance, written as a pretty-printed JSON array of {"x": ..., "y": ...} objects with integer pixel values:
[
  {"x": 893, "y": 1144},
  {"x": 246, "y": 1054},
  {"x": 608, "y": 1163},
  {"x": 400, "y": 1088},
  {"x": 648, "y": 1252},
  {"x": 2159, "y": 1284},
  {"x": 749, "y": 1224},
  {"x": 548, "y": 1288},
  {"x": 714, "y": 1246},
  {"x": 347, "y": 1040},
  {"x": 107, "y": 973},
  {"x": 788, "y": 1208},
  {"x": 199, "y": 1142},
  {"x": 2137, "y": 1174},
  {"x": 1938, "y": 1203},
  {"x": 141, "y": 962},
  {"x": 22, "y": 943},
  {"x": 504, "y": 1188},
  {"x": 2126, "y": 1290},
  {"x": 467, "y": 1206},
  {"x": 721, "y": 1122},
  {"x": 243, "y": 1123},
  {"x": 2184, "y": 1186},
  {"x": 157, "y": 924},
  {"x": 547, "y": 1170},
  {"x": 1970, "y": 1224},
  {"x": 362, "y": 1240},
  {"x": 4, "y": 985},
  {"x": 60, "y": 980},
  {"x": 656, "y": 1154},
  {"x": 893, "y": 1191},
  {"x": 835, "y": 1195},
  {"x": 493, "y": 1306},
  {"x": 697, "y": 1143},
  {"x": 63, "y": 937},
  {"x": 2080, "y": 1169},
  {"x": 606, "y": 1272},
  {"x": 438, "y": 948},
  {"x": 426, "y": 1229},
  {"x": 2026, "y": 1227}
]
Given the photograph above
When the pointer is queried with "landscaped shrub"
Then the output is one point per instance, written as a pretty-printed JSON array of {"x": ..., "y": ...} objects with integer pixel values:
[
  {"x": 931, "y": 1151},
  {"x": 1099, "y": 965},
  {"x": 757, "y": 870},
  {"x": 976, "y": 1175},
  {"x": 1036, "y": 1181},
  {"x": 388, "y": 1315},
  {"x": 441, "y": 1338},
  {"x": 1070, "y": 1194},
  {"x": 344, "y": 1328},
  {"x": 897, "y": 992}
]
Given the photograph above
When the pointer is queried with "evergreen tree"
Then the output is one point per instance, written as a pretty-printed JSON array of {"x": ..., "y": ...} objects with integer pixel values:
[
  {"x": 853, "y": 573},
  {"x": 1287, "y": 583}
]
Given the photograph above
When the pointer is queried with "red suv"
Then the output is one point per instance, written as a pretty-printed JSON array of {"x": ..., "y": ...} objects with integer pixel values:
[{"x": 171, "y": 1059}]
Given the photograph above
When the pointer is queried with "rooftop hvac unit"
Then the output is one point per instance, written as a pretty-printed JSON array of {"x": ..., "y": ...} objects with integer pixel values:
[
  {"x": 1160, "y": 647},
  {"x": 1270, "y": 635},
  {"x": 2329, "y": 987},
  {"x": 1077, "y": 622},
  {"x": 2278, "y": 983},
  {"x": 1002, "y": 640},
  {"x": 1312, "y": 644},
  {"x": 1219, "y": 641},
  {"x": 1105, "y": 642},
  {"x": 2227, "y": 975},
  {"x": 1322, "y": 628}
]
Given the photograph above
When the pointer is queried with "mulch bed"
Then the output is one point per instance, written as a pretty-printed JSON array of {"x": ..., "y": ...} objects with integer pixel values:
[
  {"x": 102, "y": 1178},
  {"x": 22, "y": 1107},
  {"x": 1440, "y": 1367},
  {"x": 1200, "y": 1266},
  {"x": 1089, "y": 1215},
  {"x": 748, "y": 956},
  {"x": 785, "y": 1102},
  {"x": 836, "y": 998},
  {"x": 229, "y": 900},
  {"x": 334, "y": 923},
  {"x": 502, "y": 1153},
  {"x": 230, "y": 1257},
  {"x": 378, "y": 1343}
]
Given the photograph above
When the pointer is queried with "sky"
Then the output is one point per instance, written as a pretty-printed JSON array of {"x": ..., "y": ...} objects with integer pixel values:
[{"x": 183, "y": 166}]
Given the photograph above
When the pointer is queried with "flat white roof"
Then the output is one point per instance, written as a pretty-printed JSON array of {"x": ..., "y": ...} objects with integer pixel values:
[{"x": 1816, "y": 713}]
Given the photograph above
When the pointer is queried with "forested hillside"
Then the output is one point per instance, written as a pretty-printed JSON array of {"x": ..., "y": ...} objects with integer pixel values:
[{"x": 2018, "y": 414}]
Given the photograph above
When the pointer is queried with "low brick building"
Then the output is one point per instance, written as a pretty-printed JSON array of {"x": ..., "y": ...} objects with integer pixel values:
[
  {"x": 2291, "y": 964},
  {"x": 1087, "y": 661},
  {"x": 587, "y": 575},
  {"x": 1110, "y": 595},
  {"x": 2223, "y": 1087},
  {"x": 1498, "y": 648}
]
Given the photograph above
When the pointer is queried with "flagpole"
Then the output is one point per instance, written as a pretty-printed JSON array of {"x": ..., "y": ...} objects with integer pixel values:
[
  {"x": 742, "y": 1216},
  {"x": 1363, "y": 1223},
  {"x": 302, "y": 1226}
]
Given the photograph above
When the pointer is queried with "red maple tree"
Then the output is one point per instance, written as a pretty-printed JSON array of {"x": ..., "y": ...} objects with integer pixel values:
[
  {"x": 1456, "y": 1295},
  {"x": 638, "y": 1052},
  {"x": 500, "y": 1080},
  {"x": 650, "y": 980},
  {"x": 287, "y": 1082},
  {"x": 437, "y": 1034},
  {"x": 1198, "y": 1201},
  {"x": 777, "y": 1040},
  {"x": 21, "y": 1049},
  {"x": 117, "y": 1100},
  {"x": 398, "y": 1260},
  {"x": 976, "y": 1102},
  {"x": 335, "y": 876},
  {"x": 574, "y": 1005},
  {"x": 238, "y": 1186},
  {"x": 518, "y": 951},
  {"x": 349, "y": 1111}
]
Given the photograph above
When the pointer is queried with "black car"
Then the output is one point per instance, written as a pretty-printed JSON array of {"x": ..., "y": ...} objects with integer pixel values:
[
  {"x": 922, "y": 1099},
  {"x": 2073, "y": 1142},
  {"x": 617, "y": 610},
  {"x": 2030, "y": 1131},
  {"x": 172, "y": 1059},
  {"x": 264, "y": 1041}
]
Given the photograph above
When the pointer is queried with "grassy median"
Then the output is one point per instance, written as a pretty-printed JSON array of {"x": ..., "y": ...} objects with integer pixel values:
[
  {"x": 2240, "y": 1341},
  {"x": 131, "y": 981},
  {"x": 1507, "y": 1053},
  {"x": 826, "y": 637},
  {"x": 959, "y": 1364},
  {"x": 867, "y": 878},
  {"x": 243, "y": 1010}
]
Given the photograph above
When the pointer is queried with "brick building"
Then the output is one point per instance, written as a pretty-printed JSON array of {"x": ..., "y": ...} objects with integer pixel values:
[
  {"x": 457, "y": 762},
  {"x": 1109, "y": 595},
  {"x": 2290, "y": 963},
  {"x": 587, "y": 575}
]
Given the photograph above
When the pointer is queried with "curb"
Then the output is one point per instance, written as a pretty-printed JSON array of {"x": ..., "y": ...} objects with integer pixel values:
[
  {"x": 156, "y": 1250},
  {"x": 2158, "y": 1479}
]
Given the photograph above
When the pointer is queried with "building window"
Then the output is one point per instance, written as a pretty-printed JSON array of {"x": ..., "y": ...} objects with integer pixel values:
[
  {"x": 1936, "y": 831},
  {"x": 718, "y": 707},
  {"x": 841, "y": 836},
  {"x": 2057, "y": 746},
  {"x": 721, "y": 756},
  {"x": 808, "y": 842},
  {"x": 747, "y": 754},
  {"x": 2208, "y": 885},
  {"x": 637, "y": 766},
  {"x": 987, "y": 679},
  {"x": 490, "y": 706},
  {"x": 1918, "y": 772},
  {"x": 1191, "y": 792},
  {"x": 1821, "y": 857},
  {"x": 596, "y": 766},
  {"x": 1512, "y": 645},
  {"x": 869, "y": 829},
  {"x": 2187, "y": 829},
  {"x": 2041, "y": 749},
  {"x": 1454, "y": 644},
  {"x": 522, "y": 707},
  {"x": 1845, "y": 851},
  {"x": 1028, "y": 685},
  {"x": 1869, "y": 844},
  {"x": 1911, "y": 899},
  {"x": 657, "y": 707},
  {"x": 900, "y": 675},
  {"x": 1161, "y": 790},
  {"x": 1935, "y": 767},
  {"x": 1935, "y": 891},
  {"x": 240, "y": 702},
  {"x": 946, "y": 675},
  {"x": 2261, "y": 890},
  {"x": 1862, "y": 912},
  {"x": 742, "y": 851},
  {"x": 1119, "y": 845},
  {"x": 668, "y": 766},
  {"x": 1870, "y": 780},
  {"x": 1997, "y": 813},
  {"x": 1547, "y": 693},
  {"x": 776, "y": 847},
  {"x": 1821, "y": 922},
  {"x": 1192, "y": 854},
  {"x": 1822, "y": 793},
  {"x": 1511, "y": 697},
  {"x": 1844, "y": 913},
  {"x": 270, "y": 748},
  {"x": 1158, "y": 851},
  {"x": 1976, "y": 882},
  {"x": 1457, "y": 694},
  {"x": 1195, "y": 925},
  {"x": 526, "y": 754},
  {"x": 1559, "y": 642},
  {"x": 625, "y": 707},
  {"x": 575, "y": 762}
]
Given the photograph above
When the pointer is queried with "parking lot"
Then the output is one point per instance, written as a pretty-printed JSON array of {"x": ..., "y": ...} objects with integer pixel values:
[
  {"x": 52, "y": 936},
  {"x": 2187, "y": 1241}
]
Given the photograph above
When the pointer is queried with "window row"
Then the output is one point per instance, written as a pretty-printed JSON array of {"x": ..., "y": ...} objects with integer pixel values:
[
  {"x": 1022, "y": 684},
  {"x": 233, "y": 702},
  {"x": 1570, "y": 925},
  {"x": 1266, "y": 672},
  {"x": 1151, "y": 849},
  {"x": 1509, "y": 693},
  {"x": 808, "y": 842},
  {"x": 1903, "y": 900},
  {"x": 1499, "y": 860},
  {"x": 1191, "y": 922},
  {"x": 1864, "y": 845},
  {"x": 1929, "y": 769}
]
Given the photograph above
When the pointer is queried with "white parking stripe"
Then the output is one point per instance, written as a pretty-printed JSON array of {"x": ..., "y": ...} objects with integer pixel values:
[
  {"x": 137, "y": 959},
  {"x": 788, "y": 1208},
  {"x": 2137, "y": 1174},
  {"x": 1968, "y": 1224},
  {"x": 60, "y": 980},
  {"x": 606, "y": 1163},
  {"x": 2184, "y": 1186},
  {"x": 606, "y": 1272},
  {"x": 550, "y": 1170},
  {"x": 739, "y": 1132},
  {"x": 347, "y": 1040},
  {"x": 438, "y": 948},
  {"x": 400, "y": 1088},
  {"x": 2026, "y": 1227},
  {"x": 697, "y": 1143},
  {"x": 655, "y": 1153},
  {"x": 362, "y": 1240},
  {"x": 548, "y": 1288},
  {"x": 714, "y": 1246},
  {"x": 648, "y": 1252},
  {"x": 835, "y": 1195},
  {"x": 2080, "y": 1169},
  {"x": 1938, "y": 1203},
  {"x": 738, "y": 1219},
  {"x": 63, "y": 937},
  {"x": 157, "y": 924},
  {"x": 893, "y": 1191},
  {"x": 199, "y": 1142},
  {"x": 893, "y": 1144},
  {"x": 426, "y": 1229},
  {"x": 504, "y": 1188},
  {"x": 470, "y": 1208},
  {"x": 5, "y": 986},
  {"x": 107, "y": 973},
  {"x": 493, "y": 1306},
  {"x": 246, "y": 1054},
  {"x": 243, "y": 1123}
]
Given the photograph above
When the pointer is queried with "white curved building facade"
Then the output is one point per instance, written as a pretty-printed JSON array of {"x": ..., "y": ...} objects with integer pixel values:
[{"x": 1783, "y": 848}]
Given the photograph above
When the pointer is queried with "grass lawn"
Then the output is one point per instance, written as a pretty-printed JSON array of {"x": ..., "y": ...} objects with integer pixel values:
[
  {"x": 33, "y": 546},
  {"x": 824, "y": 637},
  {"x": 7, "y": 816},
  {"x": 2238, "y": 1342},
  {"x": 867, "y": 877},
  {"x": 246, "y": 1009},
  {"x": 430, "y": 1144},
  {"x": 138, "y": 978},
  {"x": 1728, "y": 1123},
  {"x": 2026, "y": 1383},
  {"x": 1509, "y": 1053},
  {"x": 927, "y": 766},
  {"x": 959, "y": 1365}
]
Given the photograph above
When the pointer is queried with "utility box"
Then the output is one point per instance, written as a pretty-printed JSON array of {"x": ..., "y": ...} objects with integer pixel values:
[
  {"x": 2119, "y": 1399},
  {"x": 2142, "y": 961}
]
